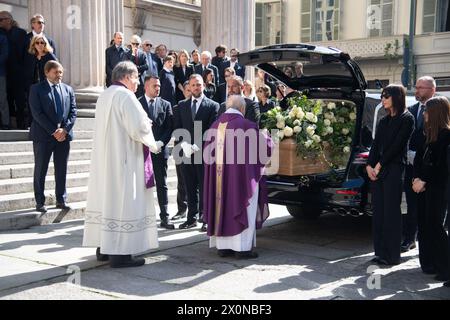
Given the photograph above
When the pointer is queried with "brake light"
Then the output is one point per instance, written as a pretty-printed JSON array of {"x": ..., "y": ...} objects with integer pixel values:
[
  {"x": 347, "y": 192},
  {"x": 364, "y": 155}
]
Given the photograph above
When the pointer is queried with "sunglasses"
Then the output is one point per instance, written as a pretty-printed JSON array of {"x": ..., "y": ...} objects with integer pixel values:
[
  {"x": 147, "y": 45},
  {"x": 385, "y": 95},
  {"x": 40, "y": 22},
  {"x": 135, "y": 44},
  {"x": 40, "y": 42}
]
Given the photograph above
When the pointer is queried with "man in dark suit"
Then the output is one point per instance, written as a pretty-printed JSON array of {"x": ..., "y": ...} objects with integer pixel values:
[
  {"x": 54, "y": 113},
  {"x": 220, "y": 61},
  {"x": 151, "y": 61},
  {"x": 234, "y": 63},
  {"x": 115, "y": 54},
  {"x": 235, "y": 86},
  {"x": 139, "y": 58},
  {"x": 160, "y": 112},
  {"x": 160, "y": 54},
  {"x": 37, "y": 28},
  {"x": 205, "y": 64},
  {"x": 191, "y": 113},
  {"x": 14, "y": 67},
  {"x": 4, "y": 108},
  {"x": 425, "y": 90},
  {"x": 168, "y": 85}
]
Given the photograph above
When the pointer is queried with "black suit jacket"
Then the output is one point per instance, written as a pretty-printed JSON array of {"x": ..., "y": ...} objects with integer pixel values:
[
  {"x": 199, "y": 70},
  {"x": 159, "y": 62},
  {"x": 207, "y": 113},
  {"x": 239, "y": 69},
  {"x": 50, "y": 41},
  {"x": 418, "y": 136},
  {"x": 251, "y": 110},
  {"x": 113, "y": 57},
  {"x": 221, "y": 64},
  {"x": 168, "y": 86},
  {"x": 162, "y": 126},
  {"x": 43, "y": 109},
  {"x": 140, "y": 61},
  {"x": 16, "y": 51},
  {"x": 34, "y": 68},
  {"x": 180, "y": 78}
]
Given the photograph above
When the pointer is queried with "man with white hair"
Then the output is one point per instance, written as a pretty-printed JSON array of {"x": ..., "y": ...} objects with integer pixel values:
[
  {"x": 235, "y": 194},
  {"x": 115, "y": 54},
  {"x": 120, "y": 212},
  {"x": 139, "y": 58},
  {"x": 205, "y": 60},
  {"x": 37, "y": 29},
  {"x": 425, "y": 90}
]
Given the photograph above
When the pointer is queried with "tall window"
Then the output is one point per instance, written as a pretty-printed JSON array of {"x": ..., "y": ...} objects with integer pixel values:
[
  {"x": 319, "y": 20},
  {"x": 436, "y": 16},
  {"x": 268, "y": 22},
  {"x": 381, "y": 11}
]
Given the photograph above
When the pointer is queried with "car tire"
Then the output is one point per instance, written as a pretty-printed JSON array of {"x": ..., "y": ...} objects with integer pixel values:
[{"x": 304, "y": 211}]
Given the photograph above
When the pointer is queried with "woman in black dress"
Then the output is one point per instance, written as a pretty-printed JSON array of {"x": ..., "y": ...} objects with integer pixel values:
[
  {"x": 210, "y": 87},
  {"x": 386, "y": 167},
  {"x": 430, "y": 182},
  {"x": 182, "y": 71}
]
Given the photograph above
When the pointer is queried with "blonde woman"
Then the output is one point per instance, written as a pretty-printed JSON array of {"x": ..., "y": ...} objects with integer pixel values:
[
  {"x": 183, "y": 70},
  {"x": 39, "y": 52},
  {"x": 249, "y": 90}
]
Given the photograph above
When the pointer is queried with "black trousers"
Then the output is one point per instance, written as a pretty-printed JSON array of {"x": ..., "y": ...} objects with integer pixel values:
[
  {"x": 160, "y": 168},
  {"x": 387, "y": 215},
  {"x": 43, "y": 150},
  {"x": 181, "y": 191},
  {"x": 409, "y": 221},
  {"x": 17, "y": 104},
  {"x": 433, "y": 240},
  {"x": 193, "y": 177}
]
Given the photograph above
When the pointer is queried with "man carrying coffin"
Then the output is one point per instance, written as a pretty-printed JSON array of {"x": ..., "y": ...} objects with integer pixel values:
[
  {"x": 235, "y": 194},
  {"x": 120, "y": 213}
]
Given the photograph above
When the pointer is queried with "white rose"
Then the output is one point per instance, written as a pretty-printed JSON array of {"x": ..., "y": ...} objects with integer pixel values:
[
  {"x": 330, "y": 130},
  {"x": 280, "y": 134},
  {"x": 346, "y": 150},
  {"x": 352, "y": 116},
  {"x": 297, "y": 129},
  {"x": 281, "y": 124},
  {"x": 308, "y": 143},
  {"x": 316, "y": 138},
  {"x": 349, "y": 140},
  {"x": 345, "y": 131},
  {"x": 314, "y": 119},
  {"x": 309, "y": 116},
  {"x": 280, "y": 118},
  {"x": 327, "y": 122},
  {"x": 300, "y": 114},
  {"x": 288, "y": 132},
  {"x": 331, "y": 106},
  {"x": 310, "y": 130},
  {"x": 297, "y": 123}
]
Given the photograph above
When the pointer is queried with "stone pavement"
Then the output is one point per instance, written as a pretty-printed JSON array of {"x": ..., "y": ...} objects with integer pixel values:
[{"x": 299, "y": 259}]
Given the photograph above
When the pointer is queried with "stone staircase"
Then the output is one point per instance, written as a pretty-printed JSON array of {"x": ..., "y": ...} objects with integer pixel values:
[{"x": 16, "y": 179}]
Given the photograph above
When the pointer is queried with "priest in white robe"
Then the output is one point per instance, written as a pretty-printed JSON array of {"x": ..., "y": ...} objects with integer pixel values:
[{"x": 120, "y": 214}]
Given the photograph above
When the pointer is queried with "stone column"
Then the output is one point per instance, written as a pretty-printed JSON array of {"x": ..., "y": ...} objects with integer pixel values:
[
  {"x": 82, "y": 31},
  {"x": 228, "y": 22}
]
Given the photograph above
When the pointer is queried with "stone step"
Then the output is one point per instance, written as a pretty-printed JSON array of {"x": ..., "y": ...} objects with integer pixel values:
[
  {"x": 23, "y": 185},
  {"x": 86, "y": 113},
  {"x": 83, "y": 135},
  {"x": 14, "y": 135},
  {"x": 82, "y": 124},
  {"x": 28, "y": 157},
  {"x": 25, "y": 201},
  {"x": 27, "y": 146},
  {"x": 26, "y": 170}
]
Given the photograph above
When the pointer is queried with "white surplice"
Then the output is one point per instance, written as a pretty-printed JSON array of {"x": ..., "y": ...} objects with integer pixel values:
[{"x": 120, "y": 212}]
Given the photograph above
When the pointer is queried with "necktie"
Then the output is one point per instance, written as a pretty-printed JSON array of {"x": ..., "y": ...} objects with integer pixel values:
[
  {"x": 420, "y": 117},
  {"x": 58, "y": 103},
  {"x": 194, "y": 109},
  {"x": 151, "y": 109}
]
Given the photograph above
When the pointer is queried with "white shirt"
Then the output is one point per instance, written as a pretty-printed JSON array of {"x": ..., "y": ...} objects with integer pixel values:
[
  {"x": 51, "y": 84},
  {"x": 37, "y": 34},
  {"x": 199, "y": 101},
  {"x": 232, "y": 64},
  {"x": 148, "y": 99}
]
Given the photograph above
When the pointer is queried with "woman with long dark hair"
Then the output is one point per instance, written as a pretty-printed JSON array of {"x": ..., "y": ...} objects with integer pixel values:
[
  {"x": 210, "y": 87},
  {"x": 386, "y": 168},
  {"x": 430, "y": 182}
]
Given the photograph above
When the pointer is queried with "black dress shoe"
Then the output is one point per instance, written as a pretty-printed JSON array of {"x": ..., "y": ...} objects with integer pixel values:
[
  {"x": 178, "y": 216},
  {"x": 447, "y": 284},
  {"x": 225, "y": 253},
  {"x": 62, "y": 206},
  {"x": 204, "y": 227},
  {"x": 188, "y": 225},
  {"x": 408, "y": 246},
  {"x": 246, "y": 255},
  {"x": 165, "y": 224},
  {"x": 42, "y": 209},
  {"x": 441, "y": 277},
  {"x": 125, "y": 261},
  {"x": 101, "y": 256}
]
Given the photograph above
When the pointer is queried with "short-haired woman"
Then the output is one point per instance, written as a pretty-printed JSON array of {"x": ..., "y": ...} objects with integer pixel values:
[
  {"x": 385, "y": 168},
  {"x": 430, "y": 182}
]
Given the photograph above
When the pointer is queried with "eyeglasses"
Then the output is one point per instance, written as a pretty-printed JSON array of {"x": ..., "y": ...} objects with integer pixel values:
[
  {"x": 135, "y": 44},
  {"x": 147, "y": 45},
  {"x": 385, "y": 95},
  {"x": 40, "y": 42}
]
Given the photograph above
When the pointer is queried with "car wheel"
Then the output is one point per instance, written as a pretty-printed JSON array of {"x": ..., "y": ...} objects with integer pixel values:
[{"x": 304, "y": 211}]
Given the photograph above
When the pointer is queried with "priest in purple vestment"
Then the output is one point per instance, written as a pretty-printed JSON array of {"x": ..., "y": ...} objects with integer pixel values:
[{"x": 235, "y": 192}]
